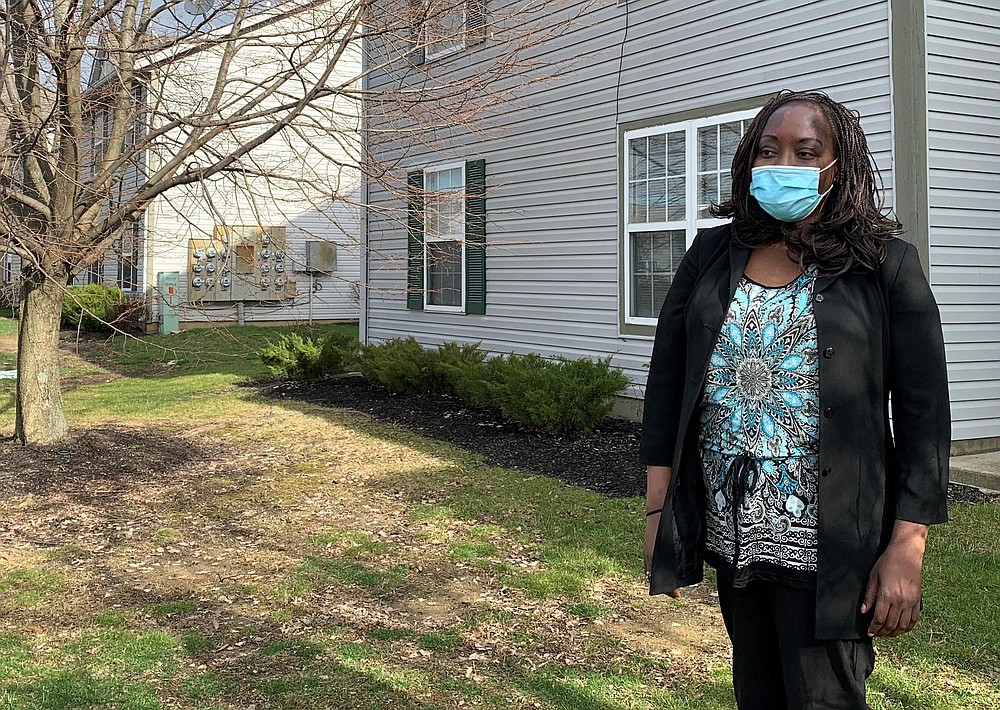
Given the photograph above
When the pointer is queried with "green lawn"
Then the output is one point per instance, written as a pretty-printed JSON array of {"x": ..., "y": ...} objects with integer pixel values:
[{"x": 244, "y": 552}]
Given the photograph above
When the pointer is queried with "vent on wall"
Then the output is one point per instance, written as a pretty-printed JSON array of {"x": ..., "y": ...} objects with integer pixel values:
[{"x": 321, "y": 257}]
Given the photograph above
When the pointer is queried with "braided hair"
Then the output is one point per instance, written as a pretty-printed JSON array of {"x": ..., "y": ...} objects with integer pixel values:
[{"x": 851, "y": 232}]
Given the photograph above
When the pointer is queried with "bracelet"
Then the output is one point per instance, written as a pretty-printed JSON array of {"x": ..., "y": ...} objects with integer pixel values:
[{"x": 654, "y": 512}]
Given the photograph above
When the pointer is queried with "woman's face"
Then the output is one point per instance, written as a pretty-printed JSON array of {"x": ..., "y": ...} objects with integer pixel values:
[{"x": 799, "y": 134}]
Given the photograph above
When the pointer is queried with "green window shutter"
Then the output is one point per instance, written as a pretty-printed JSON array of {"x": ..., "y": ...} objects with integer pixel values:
[
  {"x": 415, "y": 240},
  {"x": 416, "y": 17},
  {"x": 475, "y": 237},
  {"x": 475, "y": 22}
]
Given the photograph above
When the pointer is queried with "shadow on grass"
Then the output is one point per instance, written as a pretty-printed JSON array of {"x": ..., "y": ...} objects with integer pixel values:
[{"x": 581, "y": 533}]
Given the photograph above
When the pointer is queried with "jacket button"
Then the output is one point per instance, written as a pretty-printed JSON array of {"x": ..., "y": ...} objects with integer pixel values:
[
  {"x": 819, "y": 298},
  {"x": 829, "y": 353},
  {"x": 828, "y": 412},
  {"x": 826, "y": 471}
]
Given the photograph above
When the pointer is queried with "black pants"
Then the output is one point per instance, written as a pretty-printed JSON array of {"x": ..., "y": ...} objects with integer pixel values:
[{"x": 777, "y": 660}]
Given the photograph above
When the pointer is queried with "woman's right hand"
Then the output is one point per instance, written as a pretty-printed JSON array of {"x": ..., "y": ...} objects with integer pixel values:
[
  {"x": 652, "y": 526},
  {"x": 657, "y": 485}
]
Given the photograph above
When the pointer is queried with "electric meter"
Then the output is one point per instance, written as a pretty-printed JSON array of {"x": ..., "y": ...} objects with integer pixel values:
[{"x": 197, "y": 282}]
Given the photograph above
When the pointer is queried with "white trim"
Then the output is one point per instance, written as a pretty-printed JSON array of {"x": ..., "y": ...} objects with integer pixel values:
[{"x": 691, "y": 224}]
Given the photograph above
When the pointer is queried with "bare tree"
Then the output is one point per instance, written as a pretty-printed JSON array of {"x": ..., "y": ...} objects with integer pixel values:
[{"x": 103, "y": 119}]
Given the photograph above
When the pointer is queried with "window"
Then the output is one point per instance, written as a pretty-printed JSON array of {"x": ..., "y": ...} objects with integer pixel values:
[
  {"x": 444, "y": 237},
  {"x": 673, "y": 174},
  {"x": 128, "y": 257},
  {"x": 95, "y": 272},
  {"x": 443, "y": 27},
  {"x": 446, "y": 225}
]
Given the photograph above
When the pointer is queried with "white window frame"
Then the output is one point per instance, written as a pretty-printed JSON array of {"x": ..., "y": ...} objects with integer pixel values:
[
  {"x": 459, "y": 44},
  {"x": 428, "y": 306},
  {"x": 691, "y": 224},
  {"x": 136, "y": 228}
]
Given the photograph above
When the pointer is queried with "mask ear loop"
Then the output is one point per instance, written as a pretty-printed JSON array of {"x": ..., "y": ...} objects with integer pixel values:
[{"x": 821, "y": 171}]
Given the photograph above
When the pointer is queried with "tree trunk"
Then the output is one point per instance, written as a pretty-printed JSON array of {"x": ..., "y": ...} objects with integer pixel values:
[{"x": 39, "y": 416}]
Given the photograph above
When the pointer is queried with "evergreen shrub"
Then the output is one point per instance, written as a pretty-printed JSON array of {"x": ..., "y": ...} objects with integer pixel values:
[
  {"x": 403, "y": 365},
  {"x": 92, "y": 308},
  {"x": 339, "y": 353},
  {"x": 297, "y": 357},
  {"x": 557, "y": 397},
  {"x": 459, "y": 370},
  {"x": 293, "y": 357}
]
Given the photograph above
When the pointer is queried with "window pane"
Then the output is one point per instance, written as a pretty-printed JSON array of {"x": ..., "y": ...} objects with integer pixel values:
[
  {"x": 708, "y": 148},
  {"x": 444, "y": 211},
  {"x": 642, "y": 296},
  {"x": 657, "y": 156},
  {"x": 655, "y": 258},
  {"x": 676, "y": 149},
  {"x": 637, "y": 203},
  {"x": 725, "y": 186},
  {"x": 729, "y": 139},
  {"x": 657, "y": 200},
  {"x": 637, "y": 159},
  {"x": 444, "y": 273},
  {"x": 708, "y": 192},
  {"x": 451, "y": 179},
  {"x": 676, "y": 199},
  {"x": 445, "y": 27}
]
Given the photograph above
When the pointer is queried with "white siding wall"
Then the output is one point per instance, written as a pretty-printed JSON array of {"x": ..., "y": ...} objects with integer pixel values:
[
  {"x": 317, "y": 201},
  {"x": 963, "y": 104},
  {"x": 552, "y": 196}
]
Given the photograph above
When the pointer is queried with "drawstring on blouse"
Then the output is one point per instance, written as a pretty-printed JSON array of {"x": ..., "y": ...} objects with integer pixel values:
[{"x": 741, "y": 477}]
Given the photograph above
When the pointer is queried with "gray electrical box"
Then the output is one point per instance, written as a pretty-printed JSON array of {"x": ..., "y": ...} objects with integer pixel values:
[
  {"x": 321, "y": 257},
  {"x": 168, "y": 287}
]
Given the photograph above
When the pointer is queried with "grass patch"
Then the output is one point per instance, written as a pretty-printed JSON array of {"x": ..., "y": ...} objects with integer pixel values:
[
  {"x": 318, "y": 572},
  {"x": 356, "y": 652},
  {"x": 173, "y": 608},
  {"x": 296, "y": 607},
  {"x": 471, "y": 551},
  {"x": 355, "y": 543},
  {"x": 112, "y": 619},
  {"x": 204, "y": 686},
  {"x": 25, "y": 588},
  {"x": 389, "y": 635},
  {"x": 195, "y": 642},
  {"x": 8, "y": 325},
  {"x": 588, "y": 610},
  {"x": 444, "y": 640},
  {"x": 223, "y": 350},
  {"x": 100, "y": 669},
  {"x": 550, "y": 583}
]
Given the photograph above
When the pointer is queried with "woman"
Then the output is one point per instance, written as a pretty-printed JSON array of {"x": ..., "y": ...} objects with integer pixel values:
[{"x": 766, "y": 431}]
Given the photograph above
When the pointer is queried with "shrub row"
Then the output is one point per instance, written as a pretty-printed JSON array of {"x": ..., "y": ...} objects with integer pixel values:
[{"x": 555, "y": 396}]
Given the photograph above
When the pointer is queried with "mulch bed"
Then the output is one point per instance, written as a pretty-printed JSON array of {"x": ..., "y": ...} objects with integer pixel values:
[{"x": 605, "y": 460}]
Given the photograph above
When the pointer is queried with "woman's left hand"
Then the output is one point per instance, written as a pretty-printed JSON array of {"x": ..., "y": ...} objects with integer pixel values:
[{"x": 895, "y": 582}]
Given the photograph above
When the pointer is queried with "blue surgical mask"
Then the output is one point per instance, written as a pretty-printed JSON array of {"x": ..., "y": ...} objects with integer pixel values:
[{"x": 788, "y": 193}]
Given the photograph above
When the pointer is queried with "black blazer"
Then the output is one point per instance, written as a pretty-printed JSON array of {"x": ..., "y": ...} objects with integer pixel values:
[{"x": 878, "y": 335}]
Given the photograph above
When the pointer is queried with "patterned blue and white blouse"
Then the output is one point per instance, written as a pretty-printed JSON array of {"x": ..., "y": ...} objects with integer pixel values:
[{"x": 759, "y": 436}]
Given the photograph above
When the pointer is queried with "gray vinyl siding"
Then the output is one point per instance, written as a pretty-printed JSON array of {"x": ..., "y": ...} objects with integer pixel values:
[
  {"x": 963, "y": 115},
  {"x": 552, "y": 169}
]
